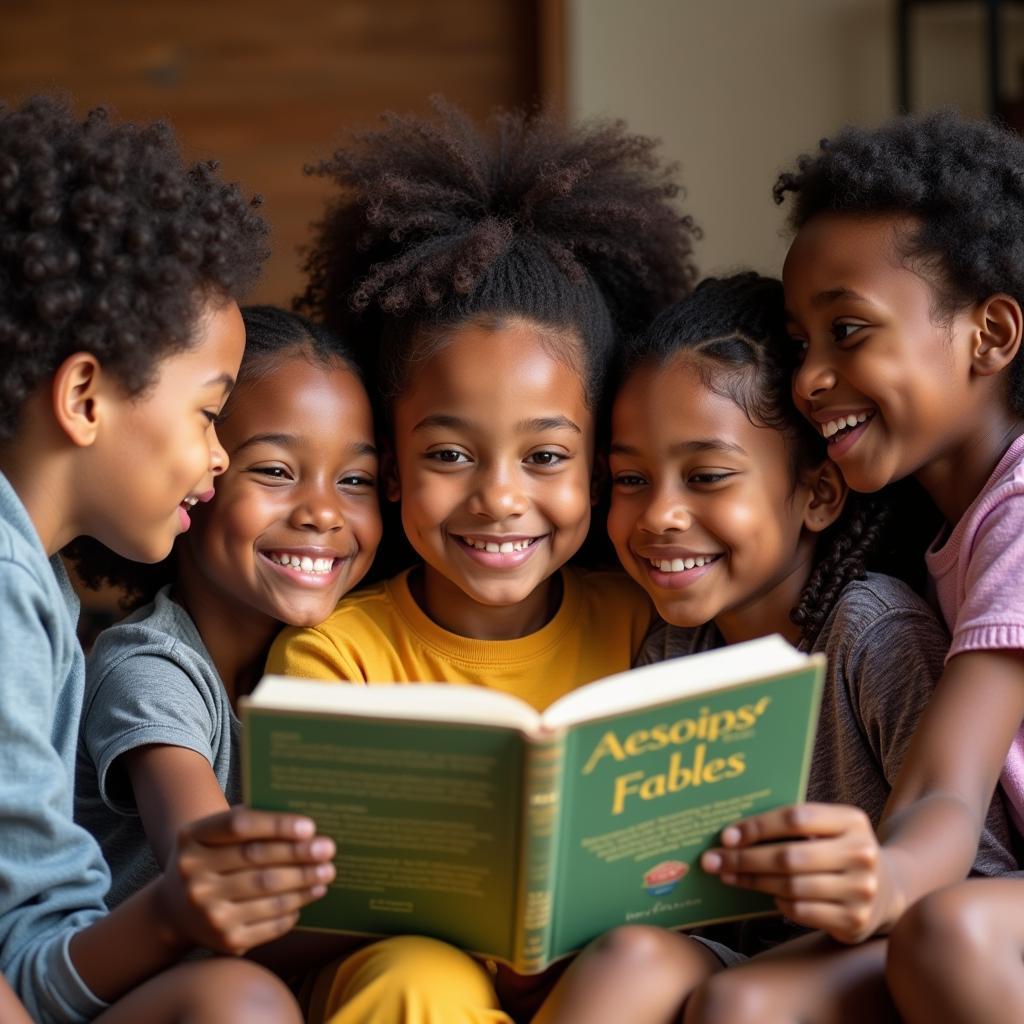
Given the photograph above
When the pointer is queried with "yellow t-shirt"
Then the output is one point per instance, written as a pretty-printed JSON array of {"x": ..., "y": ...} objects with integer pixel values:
[{"x": 381, "y": 635}]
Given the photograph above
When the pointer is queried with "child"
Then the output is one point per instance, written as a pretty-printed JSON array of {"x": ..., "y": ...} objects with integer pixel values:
[
  {"x": 726, "y": 509},
  {"x": 293, "y": 526},
  {"x": 904, "y": 283},
  {"x": 120, "y": 340},
  {"x": 496, "y": 273}
]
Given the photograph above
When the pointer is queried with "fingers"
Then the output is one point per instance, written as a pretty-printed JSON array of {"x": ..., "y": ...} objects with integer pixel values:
[
  {"x": 222, "y": 859},
  {"x": 797, "y": 820},
  {"x": 812, "y": 856},
  {"x": 254, "y": 884},
  {"x": 240, "y": 824},
  {"x": 849, "y": 923}
]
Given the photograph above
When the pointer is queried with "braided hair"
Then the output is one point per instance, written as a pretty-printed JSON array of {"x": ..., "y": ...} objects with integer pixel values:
[
  {"x": 439, "y": 223},
  {"x": 735, "y": 330}
]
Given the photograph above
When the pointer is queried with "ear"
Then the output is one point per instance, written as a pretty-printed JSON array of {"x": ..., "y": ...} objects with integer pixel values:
[
  {"x": 999, "y": 324},
  {"x": 826, "y": 496},
  {"x": 75, "y": 392},
  {"x": 599, "y": 478},
  {"x": 389, "y": 473}
]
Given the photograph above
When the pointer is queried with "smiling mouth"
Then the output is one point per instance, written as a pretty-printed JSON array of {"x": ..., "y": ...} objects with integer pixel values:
[
  {"x": 303, "y": 563},
  {"x": 834, "y": 429},
  {"x": 494, "y": 547},
  {"x": 672, "y": 565}
]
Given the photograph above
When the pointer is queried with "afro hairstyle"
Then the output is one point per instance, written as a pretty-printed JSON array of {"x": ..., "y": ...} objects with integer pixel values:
[
  {"x": 108, "y": 244},
  {"x": 439, "y": 222}
]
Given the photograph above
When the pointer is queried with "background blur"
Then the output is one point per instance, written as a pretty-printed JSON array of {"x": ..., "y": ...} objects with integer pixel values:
[{"x": 735, "y": 88}]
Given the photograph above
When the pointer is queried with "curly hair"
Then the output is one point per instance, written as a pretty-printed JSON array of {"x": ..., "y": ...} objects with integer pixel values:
[
  {"x": 962, "y": 181},
  {"x": 735, "y": 329},
  {"x": 271, "y": 336},
  {"x": 108, "y": 244},
  {"x": 439, "y": 223}
]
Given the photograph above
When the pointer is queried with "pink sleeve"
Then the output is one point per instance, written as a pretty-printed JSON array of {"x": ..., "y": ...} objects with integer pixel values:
[{"x": 991, "y": 616}]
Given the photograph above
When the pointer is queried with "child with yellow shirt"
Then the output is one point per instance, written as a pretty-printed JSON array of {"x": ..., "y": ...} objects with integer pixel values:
[{"x": 497, "y": 274}]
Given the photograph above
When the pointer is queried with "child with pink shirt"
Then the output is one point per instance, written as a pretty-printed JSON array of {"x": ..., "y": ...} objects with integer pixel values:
[{"x": 904, "y": 287}]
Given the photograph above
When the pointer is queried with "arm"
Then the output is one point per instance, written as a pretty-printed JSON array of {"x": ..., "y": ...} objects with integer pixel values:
[{"x": 842, "y": 879}]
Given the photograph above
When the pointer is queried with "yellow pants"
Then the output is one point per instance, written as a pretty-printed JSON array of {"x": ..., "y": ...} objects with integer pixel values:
[{"x": 405, "y": 980}]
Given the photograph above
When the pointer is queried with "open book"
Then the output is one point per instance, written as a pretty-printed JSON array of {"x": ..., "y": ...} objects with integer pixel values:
[{"x": 461, "y": 813}]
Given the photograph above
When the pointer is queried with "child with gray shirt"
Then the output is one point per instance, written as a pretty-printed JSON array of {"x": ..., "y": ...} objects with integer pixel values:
[{"x": 727, "y": 510}]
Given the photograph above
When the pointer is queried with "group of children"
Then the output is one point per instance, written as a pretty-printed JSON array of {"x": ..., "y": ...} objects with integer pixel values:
[{"x": 505, "y": 340}]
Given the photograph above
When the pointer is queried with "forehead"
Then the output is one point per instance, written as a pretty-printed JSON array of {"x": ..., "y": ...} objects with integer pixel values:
[
  {"x": 833, "y": 251},
  {"x": 489, "y": 374},
  {"x": 660, "y": 408},
  {"x": 303, "y": 397}
]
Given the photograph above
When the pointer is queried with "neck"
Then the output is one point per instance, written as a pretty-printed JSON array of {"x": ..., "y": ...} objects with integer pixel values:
[
  {"x": 768, "y": 610},
  {"x": 237, "y": 636},
  {"x": 448, "y": 606},
  {"x": 956, "y": 477}
]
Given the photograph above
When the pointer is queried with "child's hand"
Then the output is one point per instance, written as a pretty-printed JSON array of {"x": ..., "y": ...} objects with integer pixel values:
[
  {"x": 832, "y": 879},
  {"x": 237, "y": 879}
]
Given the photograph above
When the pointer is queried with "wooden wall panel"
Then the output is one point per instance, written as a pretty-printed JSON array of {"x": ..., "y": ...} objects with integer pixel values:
[{"x": 267, "y": 86}]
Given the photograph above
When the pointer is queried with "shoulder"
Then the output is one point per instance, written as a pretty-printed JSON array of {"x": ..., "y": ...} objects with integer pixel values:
[
  {"x": 371, "y": 611},
  {"x": 882, "y": 618},
  {"x": 155, "y": 644}
]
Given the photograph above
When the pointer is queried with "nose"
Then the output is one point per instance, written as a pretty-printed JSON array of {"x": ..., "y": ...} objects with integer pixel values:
[
  {"x": 499, "y": 494},
  {"x": 813, "y": 376},
  {"x": 665, "y": 511},
  {"x": 218, "y": 456},
  {"x": 317, "y": 509}
]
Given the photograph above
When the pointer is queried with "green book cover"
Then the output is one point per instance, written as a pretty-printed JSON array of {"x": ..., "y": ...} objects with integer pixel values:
[{"x": 463, "y": 814}]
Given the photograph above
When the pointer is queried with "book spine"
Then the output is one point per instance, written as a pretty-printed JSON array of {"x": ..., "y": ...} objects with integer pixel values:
[{"x": 542, "y": 793}]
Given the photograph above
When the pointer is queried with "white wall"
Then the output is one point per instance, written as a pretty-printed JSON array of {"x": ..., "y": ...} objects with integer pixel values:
[{"x": 736, "y": 89}]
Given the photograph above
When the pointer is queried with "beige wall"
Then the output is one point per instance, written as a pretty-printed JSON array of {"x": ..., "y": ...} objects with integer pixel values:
[{"x": 738, "y": 88}]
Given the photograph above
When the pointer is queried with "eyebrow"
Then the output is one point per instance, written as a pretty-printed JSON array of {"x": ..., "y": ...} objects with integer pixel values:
[
  {"x": 532, "y": 426},
  {"x": 711, "y": 444},
  {"x": 224, "y": 379},
  {"x": 288, "y": 440}
]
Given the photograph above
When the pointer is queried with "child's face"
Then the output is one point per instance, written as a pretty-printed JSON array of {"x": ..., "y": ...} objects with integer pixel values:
[
  {"x": 160, "y": 452},
  {"x": 704, "y": 513},
  {"x": 493, "y": 449},
  {"x": 872, "y": 350},
  {"x": 295, "y": 521}
]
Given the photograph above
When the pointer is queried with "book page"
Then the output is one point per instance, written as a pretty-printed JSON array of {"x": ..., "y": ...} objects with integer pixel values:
[{"x": 675, "y": 679}]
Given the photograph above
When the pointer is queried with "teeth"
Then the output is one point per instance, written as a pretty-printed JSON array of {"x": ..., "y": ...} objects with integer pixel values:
[
  {"x": 681, "y": 564},
  {"x": 504, "y": 548},
  {"x": 190, "y": 501},
  {"x": 302, "y": 562},
  {"x": 833, "y": 427}
]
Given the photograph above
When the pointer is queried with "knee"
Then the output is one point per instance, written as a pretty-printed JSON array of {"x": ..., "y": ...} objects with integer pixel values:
[
  {"x": 947, "y": 927},
  {"x": 634, "y": 944},
  {"x": 237, "y": 991},
  {"x": 729, "y": 997}
]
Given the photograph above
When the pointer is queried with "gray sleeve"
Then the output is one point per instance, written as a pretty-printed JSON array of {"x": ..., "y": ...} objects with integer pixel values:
[
  {"x": 664, "y": 641},
  {"x": 52, "y": 875},
  {"x": 139, "y": 699}
]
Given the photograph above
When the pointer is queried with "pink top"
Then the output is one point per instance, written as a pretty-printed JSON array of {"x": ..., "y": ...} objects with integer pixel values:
[{"x": 979, "y": 581}]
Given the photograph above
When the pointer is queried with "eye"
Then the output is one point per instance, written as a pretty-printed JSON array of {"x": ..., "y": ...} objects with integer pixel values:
[
  {"x": 842, "y": 331},
  {"x": 796, "y": 352},
  {"x": 545, "y": 458},
  {"x": 709, "y": 477},
  {"x": 449, "y": 456},
  {"x": 626, "y": 480},
  {"x": 353, "y": 480},
  {"x": 212, "y": 416},
  {"x": 271, "y": 472}
]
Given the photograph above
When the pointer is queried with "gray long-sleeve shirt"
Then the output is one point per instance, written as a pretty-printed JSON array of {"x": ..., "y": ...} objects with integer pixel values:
[{"x": 52, "y": 874}]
